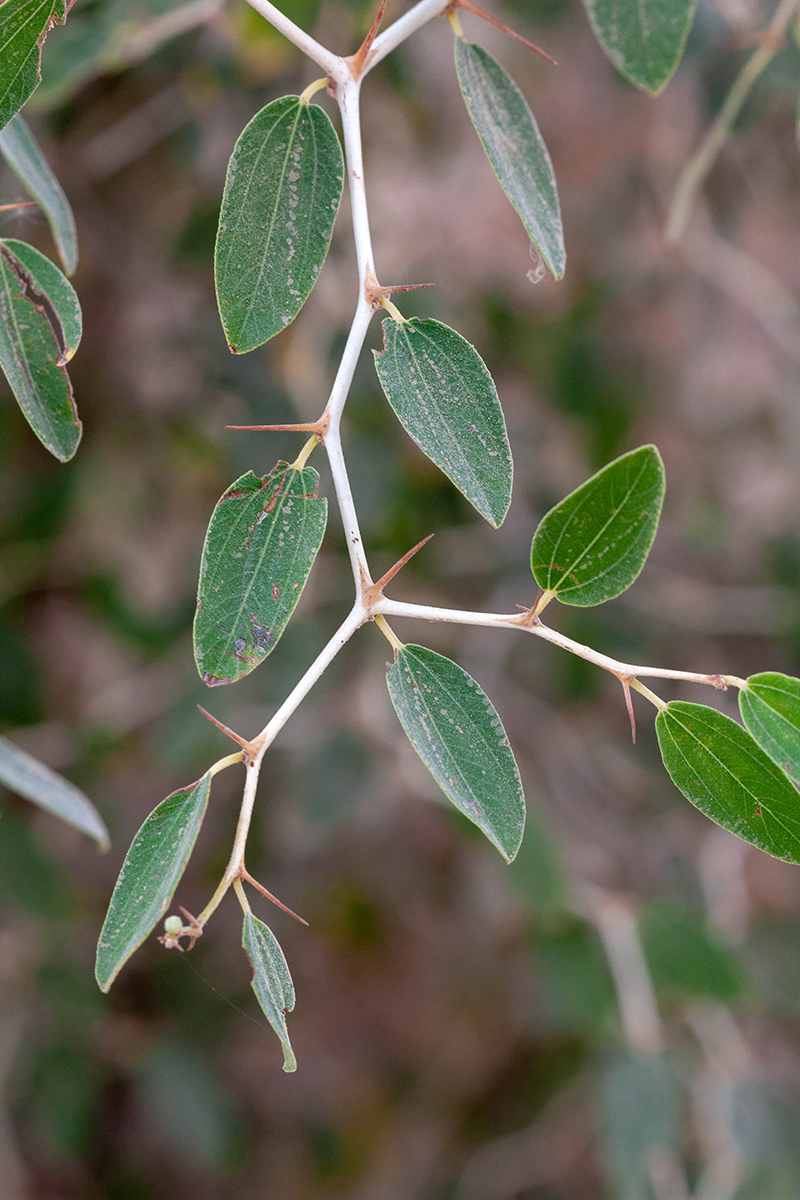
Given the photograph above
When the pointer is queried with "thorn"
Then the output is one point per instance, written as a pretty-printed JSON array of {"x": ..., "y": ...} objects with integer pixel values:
[
  {"x": 243, "y": 874},
  {"x": 468, "y": 6},
  {"x": 21, "y": 204},
  {"x": 193, "y": 930},
  {"x": 374, "y": 592},
  {"x": 375, "y": 294},
  {"x": 310, "y": 427},
  {"x": 356, "y": 61},
  {"x": 531, "y": 616},
  {"x": 626, "y": 688},
  {"x": 240, "y": 741}
]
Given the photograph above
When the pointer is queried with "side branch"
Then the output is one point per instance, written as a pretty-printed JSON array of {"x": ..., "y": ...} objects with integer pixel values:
[
  {"x": 322, "y": 57},
  {"x": 424, "y": 612}
]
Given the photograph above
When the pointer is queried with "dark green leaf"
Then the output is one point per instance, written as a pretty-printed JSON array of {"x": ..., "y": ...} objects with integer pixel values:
[
  {"x": 592, "y": 545},
  {"x": 720, "y": 768},
  {"x": 515, "y": 148},
  {"x": 643, "y": 38},
  {"x": 260, "y": 547},
  {"x": 51, "y": 283},
  {"x": 272, "y": 982},
  {"x": 445, "y": 398},
  {"x": 33, "y": 351},
  {"x": 24, "y": 24},
  {"x": 639, "y": 1116},
  {"x": 770, "y": 708},
  {"x": 26, "y": 776},
  {"x": 150, "y": 874},
  {"x": 454, "y": 727},
  {"x": 281, "y": 198},
  {"x": 21, "y": 150}
]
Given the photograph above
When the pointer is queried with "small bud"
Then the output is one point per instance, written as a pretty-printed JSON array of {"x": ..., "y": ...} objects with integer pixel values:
[{"x": 173, "y": 926}]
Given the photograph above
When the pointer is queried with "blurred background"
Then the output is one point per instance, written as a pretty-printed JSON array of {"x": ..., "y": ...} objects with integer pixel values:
[{"x": 618, "y": 1013}]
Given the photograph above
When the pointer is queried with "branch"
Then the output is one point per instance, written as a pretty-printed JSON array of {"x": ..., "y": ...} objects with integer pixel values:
[
  {"x": 326, "y": 59},
  {"x": 424, "y": 612},
  {"x": 402, "y": 28}
]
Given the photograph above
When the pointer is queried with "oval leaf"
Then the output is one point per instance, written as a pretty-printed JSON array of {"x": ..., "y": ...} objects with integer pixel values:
[
  {"x": 644, "y": 39},
  {"x": 272, "y": 982},
  {"x": 720, "y": 768},
  {"x": 24, "y": 24},
  {"x": 60, "y": 295},
  {"x": 445, "y": 398},
  {"x": 33, "y": 352},
  {"x": 281, "y": 198},
  {"x": 26, "y": 776},
  {"x": 260, "y": 547},
  {"x": 454, "y": 728},
  {"x": 770, "y": 708},
  {"x": 592, "y": 546},
  {"x": 150, "y": 874},
  {"x": 21, "y": 150},
  {"x": 515, "y": 148}
]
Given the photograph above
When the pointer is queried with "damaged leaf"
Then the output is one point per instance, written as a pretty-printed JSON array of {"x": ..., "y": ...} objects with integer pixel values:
[
  {"x": 24, "y": 24},
  {"x": 260, "y": 547}
]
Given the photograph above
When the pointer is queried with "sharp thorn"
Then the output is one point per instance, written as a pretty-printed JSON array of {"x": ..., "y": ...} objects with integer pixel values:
[
  {"x": 468, "y": 6},
  {"x": 260, "y": 887},
  {"x": 626, "y": 688},
  {"x": 240, "y": 741},
  {"x": 378, "y": 587}
]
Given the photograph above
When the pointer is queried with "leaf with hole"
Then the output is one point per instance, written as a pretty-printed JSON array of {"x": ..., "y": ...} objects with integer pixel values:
[
  {"x": 37, "y": 315},
  {"x": 592, "y": 545},
  {"x": 150, "y": 874},
  {"x": 515, "y": 147},
  {"x": 644, "y": 39},
  {"x": 25, "y": 775},
  {"x": 24, "y": 24},
  {"x": 445, "y": 399},
  {"x": 260, "y": 547},
  {"x": 21, "y": 150},
  {"x": 454, "y": 728},
  {"x": 272, "y": 982},
  {"x": 282, "y": 194},
  {"x": 770, "y": 708},
  {"x": 723, "y": 772}
]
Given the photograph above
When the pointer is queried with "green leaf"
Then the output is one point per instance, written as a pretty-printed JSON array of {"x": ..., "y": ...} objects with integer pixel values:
[
  {"x": 515, "y": 148},
  {"x": 26, "y": 776},
  {"x": 454, "y": 728},
  {"x": 592, "y": 545},
  {"x": 20, "y": 149},
  {"x": 272, "y": 982},
  {"x": 61, "y": 295},
  {"x": 24, "y": 24},
  {"x": 720, "y": 768},
  {"x": 639, "y": 1108},
  {"x": 770, "y": 708},
  {"x": 150, "y": 874},
  {"x": 260, "y": 547},
  {"x": 281, "y": 198},
  {"x": 33, "y": 350},
  {"x": 643, "y": 38},
  {"x": 444, "y": 397}
]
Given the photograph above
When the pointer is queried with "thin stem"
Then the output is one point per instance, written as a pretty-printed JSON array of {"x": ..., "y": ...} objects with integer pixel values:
[
  {"x": 424, "y": 612},
  {"x": 225, "y": 762},
  {"x": 313, "y": 88},
  {"x": 645, "y": 691},
  {"x": 305, "y": 453},
  {"x": 389, "y": 633},
  {"x": 701, "y": 162},
  {"x": 322, "y": 57},
  {"x": 402, "y": 28}
]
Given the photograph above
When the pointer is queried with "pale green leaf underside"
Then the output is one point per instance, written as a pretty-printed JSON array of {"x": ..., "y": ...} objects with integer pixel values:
[
  {"x": 25, "y": 775},
  {"x": 22, "y": 152},
  {"x": 770, "y": 708},
  {"x": 720, "y": 768},
  {"x": 282, "y": 194},
  {"x": 272, "y": 982},
  {"x": 592, "y": 545},
  {"x": 454, "y": 727},
  {"x": 24, "y": 25},
  {"x": 150, "y": 874},
  {"x": 515, "y": 148},
  {"x": 445, "y": 399},
  {"x": 53, "y": 284},
  {"x": 33, "y": 350},
  {"x": 644, "y": 39},
  {"x": 260, "y": 547}
]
